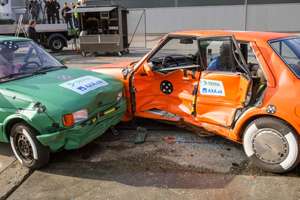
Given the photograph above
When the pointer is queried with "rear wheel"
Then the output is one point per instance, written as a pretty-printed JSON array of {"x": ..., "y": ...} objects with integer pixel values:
[
  {"x": 272, "y": 144},
  {"x": 29, "y": 151},
  {"x": 56, "y": 44}
]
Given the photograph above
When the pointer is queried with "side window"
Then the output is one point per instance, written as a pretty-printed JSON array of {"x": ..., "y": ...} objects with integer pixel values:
[
  {"x": 175, "y": 54},
  {"x": 257, "y": 74},
  {"x": 219, "y": 55},
  {"x": 286, "y": 52}
]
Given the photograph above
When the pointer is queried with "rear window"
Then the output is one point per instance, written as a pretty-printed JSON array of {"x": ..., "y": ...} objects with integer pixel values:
[{"x": 288, "y": 50}]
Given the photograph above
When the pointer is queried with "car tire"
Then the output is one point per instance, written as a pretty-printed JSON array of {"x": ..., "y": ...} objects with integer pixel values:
[
  {"x": 56, "y": 44},
  {"x": 28, "y": 150},
  {"x": 272, "y": 144}
]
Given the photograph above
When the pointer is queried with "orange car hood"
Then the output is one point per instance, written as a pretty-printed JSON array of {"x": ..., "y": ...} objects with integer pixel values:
[{"x": 114, "y": 69}]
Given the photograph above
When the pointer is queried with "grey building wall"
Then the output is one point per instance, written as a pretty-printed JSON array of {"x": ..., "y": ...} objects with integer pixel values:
[
  {"x": 164, "y": 16},
  {"x": 260, "y": 17},
  {"x": 181, "y": 3}
]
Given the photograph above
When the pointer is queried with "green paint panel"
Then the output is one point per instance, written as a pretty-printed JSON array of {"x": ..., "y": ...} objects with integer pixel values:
[{"x": 60, "y": 92}]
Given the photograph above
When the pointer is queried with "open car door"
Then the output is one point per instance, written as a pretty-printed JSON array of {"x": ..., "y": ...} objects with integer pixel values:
[
  {"x": 165, "y": 81},
  {"x": 225, "y": 84}
]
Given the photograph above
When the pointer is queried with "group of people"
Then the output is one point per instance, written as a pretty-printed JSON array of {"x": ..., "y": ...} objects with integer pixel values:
[
  {"x": 68, "y": 16},
  {"x": 52, "y": 8}
]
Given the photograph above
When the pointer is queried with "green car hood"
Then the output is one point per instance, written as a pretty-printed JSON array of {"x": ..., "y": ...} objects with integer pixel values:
[{"x": 70, "y": 89}]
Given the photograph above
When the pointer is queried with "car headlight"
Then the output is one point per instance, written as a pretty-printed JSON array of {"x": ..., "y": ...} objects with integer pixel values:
[
  {"x": 71, "y": 119},
  {"x": 120, "y": 95}
]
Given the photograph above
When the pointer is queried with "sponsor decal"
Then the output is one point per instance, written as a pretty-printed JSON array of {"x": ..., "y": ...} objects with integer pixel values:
[
  {"x": 211, "y": 87},
  {"x": 84, "y": 84}
]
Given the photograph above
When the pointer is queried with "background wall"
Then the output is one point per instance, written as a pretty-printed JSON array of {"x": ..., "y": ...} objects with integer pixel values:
[
  {"x": 275, "y": 15},
  {"x": 265, "y": 17}
]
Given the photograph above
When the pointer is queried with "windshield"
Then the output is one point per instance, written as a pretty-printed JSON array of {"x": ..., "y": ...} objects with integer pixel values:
[
  {"x": 19, "y": 59},
  {"x": 288, "y": 50}
]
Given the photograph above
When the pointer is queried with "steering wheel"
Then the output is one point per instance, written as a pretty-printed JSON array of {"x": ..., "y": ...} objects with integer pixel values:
[
  {"x": 164, "y": 62},
  {"x": 24, "y": 67}
]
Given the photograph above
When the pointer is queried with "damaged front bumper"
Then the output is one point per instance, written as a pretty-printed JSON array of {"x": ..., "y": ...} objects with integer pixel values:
[{"x": 83, "y": 133}]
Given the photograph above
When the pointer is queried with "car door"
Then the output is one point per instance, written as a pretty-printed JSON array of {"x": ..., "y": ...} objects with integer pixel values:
[
  {"x": 164, "y": 83},
  {"x": 225, "y": 84}
]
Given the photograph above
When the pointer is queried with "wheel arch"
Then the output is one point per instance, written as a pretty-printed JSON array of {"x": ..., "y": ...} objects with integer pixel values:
[
  {"x": 242, "y": 129},
  {"x": 11, "y": 121}
]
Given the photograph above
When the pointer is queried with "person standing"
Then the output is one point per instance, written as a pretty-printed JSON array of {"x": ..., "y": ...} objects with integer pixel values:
[
  {"x": 57, "y": 7},
  {"x": 32, "y": 32},
  {"x": 76, "y": 14},
  {"x": 32, "y": 35},
  {"x": 67, "y": 16},
  {"x": 73, "y": 15},
  {"x": 34, "y": 8},
  {"x": 51, "y": 11}
]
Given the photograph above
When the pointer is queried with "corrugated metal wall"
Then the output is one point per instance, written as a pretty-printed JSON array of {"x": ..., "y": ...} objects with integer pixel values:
[
  {"x": 182, "y": 3},
  {"x": 277, "y": 15},
  {"x": 272, "y": 17}
]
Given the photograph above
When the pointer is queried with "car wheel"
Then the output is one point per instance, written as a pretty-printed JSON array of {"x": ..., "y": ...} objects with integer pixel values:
[
  {"x": 29, "y": 151},
  {"x": 272, "y": 144},
  {"x": 56, "y": 44}
]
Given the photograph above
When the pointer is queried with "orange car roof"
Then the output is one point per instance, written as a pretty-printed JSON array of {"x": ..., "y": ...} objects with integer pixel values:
[{"x": 239, "y": 35}]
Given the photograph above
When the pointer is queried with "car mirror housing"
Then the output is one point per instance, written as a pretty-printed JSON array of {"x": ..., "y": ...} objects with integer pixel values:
[{"x": 63, "y": 60}]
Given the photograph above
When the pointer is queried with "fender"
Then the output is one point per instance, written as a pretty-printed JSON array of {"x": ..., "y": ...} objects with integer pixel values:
[
  {"x": 59, "y": 35},
  {"x": 262, "y": 112},
  {"x": 4, "y": 136}
]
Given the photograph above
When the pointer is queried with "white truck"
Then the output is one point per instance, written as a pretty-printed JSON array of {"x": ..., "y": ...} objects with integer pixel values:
[{"x": 52, "y": 36}]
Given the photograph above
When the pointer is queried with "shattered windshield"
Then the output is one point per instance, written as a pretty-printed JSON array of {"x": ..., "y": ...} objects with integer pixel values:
[
  {"x": 288, "y": 50},
  {"x": 19, "y": 59}
]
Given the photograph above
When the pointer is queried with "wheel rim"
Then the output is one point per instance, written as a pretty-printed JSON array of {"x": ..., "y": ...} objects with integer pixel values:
[
  {"x": 57, "y": 44},
  {"x": 24, "y": 148},
  {"x": 270, "y": 146}
]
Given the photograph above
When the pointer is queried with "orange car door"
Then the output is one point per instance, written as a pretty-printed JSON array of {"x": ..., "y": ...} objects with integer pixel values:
[
  {"x": 164, "y": 96},
  {"x": 223, "y": 88}
]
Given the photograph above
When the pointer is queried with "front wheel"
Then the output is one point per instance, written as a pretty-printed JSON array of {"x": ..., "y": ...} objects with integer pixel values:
[
  {"x": 29, "y": 151},
  {"x": 272, "y": 144}
]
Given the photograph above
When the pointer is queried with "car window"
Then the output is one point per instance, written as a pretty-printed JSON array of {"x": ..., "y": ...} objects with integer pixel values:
[
  {"x": 26, "y": 57},
  {"x": 219, "y": 55},
  {"x": 175, "y": 53},
  {"x": 288, "y": 50}
]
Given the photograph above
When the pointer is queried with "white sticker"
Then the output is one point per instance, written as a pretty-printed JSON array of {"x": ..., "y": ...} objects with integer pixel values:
[
  {"x": 211, "y": 87},
  {"x": 84, "y": 84}
]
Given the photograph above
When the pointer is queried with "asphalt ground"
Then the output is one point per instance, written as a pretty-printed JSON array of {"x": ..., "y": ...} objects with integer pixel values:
[{"x": 172, "y": 163}]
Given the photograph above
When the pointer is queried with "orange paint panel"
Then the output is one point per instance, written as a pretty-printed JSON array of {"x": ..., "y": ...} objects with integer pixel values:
[
  {"x": 218, "y": 109},
  {"x": 264, "y": 65},
  {"x": 215, "y": 114},
  {"x": 149, "y": 94}
]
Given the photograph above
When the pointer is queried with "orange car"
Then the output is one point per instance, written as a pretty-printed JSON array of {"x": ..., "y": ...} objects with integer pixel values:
[{"x": 241, "y": 85}]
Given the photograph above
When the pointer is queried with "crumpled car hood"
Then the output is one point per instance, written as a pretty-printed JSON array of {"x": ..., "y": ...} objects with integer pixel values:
[{"x": 71, "y": 89}]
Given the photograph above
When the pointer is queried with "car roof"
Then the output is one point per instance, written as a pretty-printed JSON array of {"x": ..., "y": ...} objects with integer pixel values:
[
  {"x": 239, "y": 35},
  {"x": 14, "y": 39}
]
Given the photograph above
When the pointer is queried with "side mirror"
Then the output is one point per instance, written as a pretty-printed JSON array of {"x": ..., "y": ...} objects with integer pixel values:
[
  {"x": 63, "y": 60},
  {"x": 147, "y": 69}
]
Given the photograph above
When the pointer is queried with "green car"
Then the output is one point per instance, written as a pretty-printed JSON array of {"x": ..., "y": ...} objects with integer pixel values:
[{"x": 46, "y": 107}]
